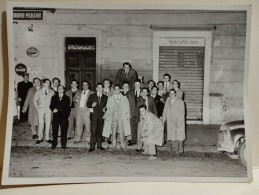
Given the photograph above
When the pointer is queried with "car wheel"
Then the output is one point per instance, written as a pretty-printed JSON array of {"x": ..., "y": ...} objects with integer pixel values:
[{"x": 242, "y": 154}]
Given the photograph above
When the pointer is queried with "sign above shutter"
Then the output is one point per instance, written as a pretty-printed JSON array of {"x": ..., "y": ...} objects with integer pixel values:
[{"x": 182, "y": 41}]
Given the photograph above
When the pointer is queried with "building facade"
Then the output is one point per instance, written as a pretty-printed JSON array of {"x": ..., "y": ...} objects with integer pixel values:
[{"x": 203, "y": 50}]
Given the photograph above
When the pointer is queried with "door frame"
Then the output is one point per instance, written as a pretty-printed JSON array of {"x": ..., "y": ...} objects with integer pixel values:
[
  {"x": 207, "y": 62},
  {"x": 76, "y": 33}
]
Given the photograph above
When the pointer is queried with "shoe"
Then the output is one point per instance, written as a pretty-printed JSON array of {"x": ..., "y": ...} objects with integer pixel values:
[
  {"x": 65, "y": 148},
  {"x": 49, "y": 141},
  {"x": 152, "y": 158},
  {"x": 144, "y": 153},
  {"x": 101, "y": 148},
  {"x": 69, "y": 138},
  {"x": 90, "y": 150},
  {"x": 130, "y": 143},
  {"x": 76, "y": 142},
  {"x": 39, "y": 141},
  {"x": 34, "y": 137},
  {"x": 53, "y": 147},
  {"x": 137, "y": 150},
  {"x": 109, "y": 142}
]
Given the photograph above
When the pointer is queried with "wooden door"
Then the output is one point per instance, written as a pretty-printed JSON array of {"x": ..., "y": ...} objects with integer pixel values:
[{"x": 80, "y": 61}]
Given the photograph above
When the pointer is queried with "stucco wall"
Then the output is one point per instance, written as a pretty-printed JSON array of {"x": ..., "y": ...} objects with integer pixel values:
[{"x": 127, "y": 36}]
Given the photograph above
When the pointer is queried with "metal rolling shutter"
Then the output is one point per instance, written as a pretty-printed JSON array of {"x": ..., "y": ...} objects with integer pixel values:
[{"x": 185, "y": 64}]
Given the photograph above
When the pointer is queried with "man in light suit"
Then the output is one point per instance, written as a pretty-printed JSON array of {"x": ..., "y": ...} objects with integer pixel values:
[
  {"x": 42, "y": 100},
  {"x": 167, "y": 84},
  {"x": 117, "y": 118},
  {"x": 72, "y": 93},
  {"x": 149, "y": 102},
  {"x": 97, "y": 102},
  {"x": 83, "y": 123},
  {"x": 108, "y": 90}
]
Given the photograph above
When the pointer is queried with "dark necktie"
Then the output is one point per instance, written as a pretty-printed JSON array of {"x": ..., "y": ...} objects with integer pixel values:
[
  {"x": 46, "y": 92},
  {"x": 99, "y": 99},
  {"x": 60, "y": 97}
]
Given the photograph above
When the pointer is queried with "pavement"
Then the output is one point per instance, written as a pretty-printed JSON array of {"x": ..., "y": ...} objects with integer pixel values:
[{"x": 200, "y": 138}]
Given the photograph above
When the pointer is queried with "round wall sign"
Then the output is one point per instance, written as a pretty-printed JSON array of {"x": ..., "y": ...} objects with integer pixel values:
[
  {"x": 32, "y": 52},
  {"x": 20, "y": 69}
]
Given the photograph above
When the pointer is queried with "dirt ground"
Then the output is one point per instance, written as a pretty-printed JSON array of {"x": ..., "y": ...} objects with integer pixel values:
[{"x": 77, "y": 162}]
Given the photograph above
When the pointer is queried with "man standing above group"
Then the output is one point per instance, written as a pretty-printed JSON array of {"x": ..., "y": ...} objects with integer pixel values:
[
  {"x": 167, "y": 84},
  {"x": 60, "y": 106},
  {"x": 72, "y": 93},
  {"x": 42, "y": 101},
  {"x": 97, "y": 102},
  {"x": 126, "y": 74},
  {"x": 23, "y": 88},
  {"x": 83, "y": 123},
  {"x": 56, "y": 83},
  {"x": 117, "y": 118}
]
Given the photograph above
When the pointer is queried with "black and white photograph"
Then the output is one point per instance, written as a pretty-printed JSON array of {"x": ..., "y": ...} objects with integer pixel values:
[{"x": 102, "y": 93}]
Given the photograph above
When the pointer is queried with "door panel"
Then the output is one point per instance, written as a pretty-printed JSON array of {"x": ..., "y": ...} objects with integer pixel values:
[
  {"x": 72, "y": 75},
  {"x": 90, "y": 76}
]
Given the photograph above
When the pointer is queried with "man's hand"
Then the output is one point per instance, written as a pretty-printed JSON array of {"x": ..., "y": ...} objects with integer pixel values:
[
  {"x": 23, "y": 110},
  {"x": 94, "y": 104},
  {"x": 55, "y": 110},
  {"x": 20, "y": 99}
]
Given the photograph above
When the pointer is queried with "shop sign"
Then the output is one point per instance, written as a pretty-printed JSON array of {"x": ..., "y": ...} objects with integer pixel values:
[
  {"x": 20, "y": 69},
  {"x": 27, "y": 15},
  {"x": 32, "y": 52}
]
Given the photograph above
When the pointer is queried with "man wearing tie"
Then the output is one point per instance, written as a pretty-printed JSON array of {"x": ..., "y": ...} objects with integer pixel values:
[
  {"x": 56, "y": 83},
  {"x": 97, "y": 103},
  {"x": 117, "y": 118},
  {"x": 72, "y": 93},
  {"x": 108, "y": 90},
  {"x": 60, "y": 106},
  {"x": 149, "y": 102},
  {"x": 132, "y": 95},
  {"x": 42, "y": 101},
  {"x": 167, "y": 84},
  {"x": 83, "y": 122}
]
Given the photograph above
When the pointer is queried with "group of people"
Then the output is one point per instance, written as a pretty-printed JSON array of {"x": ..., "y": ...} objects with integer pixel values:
[{"x": 124, "y": 114}]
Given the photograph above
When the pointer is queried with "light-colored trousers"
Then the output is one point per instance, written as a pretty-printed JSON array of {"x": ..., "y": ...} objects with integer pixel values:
[
  {"x": 117, "y": 127},
  {"x": 45, "y": 115},
  {"x": 83, "y": 125},
  {"x": 71, "y": 123},
  {"x": 34, "y": 130},
  {"x": 148, "y": 147},
  {"x": 177, "y": 146},
  {"x": 139, "y": 139}
]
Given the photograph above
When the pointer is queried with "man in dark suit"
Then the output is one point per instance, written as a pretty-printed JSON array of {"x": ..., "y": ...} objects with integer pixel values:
[
  {"x": 132, "y": 95},
  {"x": 97, "y": 103},
  {"x": 149, "y": 102},
  {"x": 55, "y": 83},
  {"x": 23, "y": 88},
  {"x": 158, "y": 100},
  {"x": 60, "y": 106},
  {"x": 126, "y": 74}
]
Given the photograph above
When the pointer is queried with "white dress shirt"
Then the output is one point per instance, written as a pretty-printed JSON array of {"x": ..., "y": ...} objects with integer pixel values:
[
  {"x": 83, "y": 98},
  {"x": 137, "y": 91}
]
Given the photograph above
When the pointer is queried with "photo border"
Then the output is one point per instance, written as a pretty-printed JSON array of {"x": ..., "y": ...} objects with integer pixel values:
[{"x": 6, "y": 180}]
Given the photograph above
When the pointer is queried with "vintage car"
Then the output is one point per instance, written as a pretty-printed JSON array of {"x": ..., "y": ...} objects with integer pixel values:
[{"x": 231, "y": 140}]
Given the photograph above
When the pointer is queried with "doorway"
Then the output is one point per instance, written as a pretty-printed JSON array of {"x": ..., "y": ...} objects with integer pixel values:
[{"x": 80, "y": 60}]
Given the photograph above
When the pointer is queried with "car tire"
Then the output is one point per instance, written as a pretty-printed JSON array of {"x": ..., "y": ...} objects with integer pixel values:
[{"x": 242, "y": 153}]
